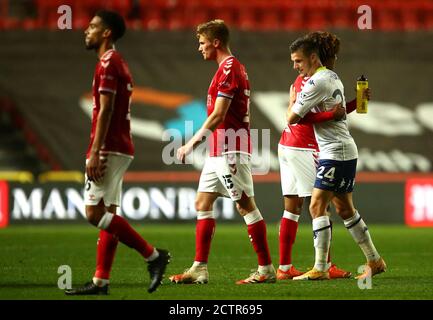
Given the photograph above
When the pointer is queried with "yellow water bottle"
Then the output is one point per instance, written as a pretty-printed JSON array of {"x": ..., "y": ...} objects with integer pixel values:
[{"x": 361, "y": 102}]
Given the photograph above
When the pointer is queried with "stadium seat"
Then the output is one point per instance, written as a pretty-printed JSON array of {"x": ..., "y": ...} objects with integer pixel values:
[
  {"x": 387, "y": 17},
  {"x": 410, "y": 16},
  {"x": 246, "y": 18},
  {"x": 293, "y": 16}
]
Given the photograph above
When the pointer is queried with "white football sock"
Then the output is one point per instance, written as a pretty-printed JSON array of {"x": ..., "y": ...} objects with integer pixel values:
[
  {"x": 153, "y": 256},
  {"x": 100, "y": 282},
  {"x": 266, "y": 269},
  {"x": 322, "y": 239},
  {"x": 199, "y": 264},
  {"x": 359, "y": 231},
  {"x": 285, "y": 267},
  {"x": 253, "y": 217}
]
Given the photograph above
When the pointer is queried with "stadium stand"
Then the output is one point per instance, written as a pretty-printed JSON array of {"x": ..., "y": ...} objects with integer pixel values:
[
  {"x": 256, "y": 15},
  {"x": 46, "y": 73},
  {"x": 18, "y": 146}
]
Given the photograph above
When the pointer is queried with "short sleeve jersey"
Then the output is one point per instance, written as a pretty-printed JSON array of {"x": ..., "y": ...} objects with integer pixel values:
[
  {"x": 299, "y": 136},
  {"x": 321, "y": 93},
  {"x": 233, "y": 134},
  {"x": 112, "y": 75}
]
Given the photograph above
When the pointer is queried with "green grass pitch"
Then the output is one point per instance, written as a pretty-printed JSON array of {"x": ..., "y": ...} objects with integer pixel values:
[{"x": 31, "y": 255}]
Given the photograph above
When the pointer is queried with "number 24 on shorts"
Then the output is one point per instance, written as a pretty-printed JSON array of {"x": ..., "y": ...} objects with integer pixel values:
[{"x": 330, "y": 174}]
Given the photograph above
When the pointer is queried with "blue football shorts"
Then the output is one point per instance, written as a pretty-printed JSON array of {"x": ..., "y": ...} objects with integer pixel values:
[{"x": 336, "y": 176}]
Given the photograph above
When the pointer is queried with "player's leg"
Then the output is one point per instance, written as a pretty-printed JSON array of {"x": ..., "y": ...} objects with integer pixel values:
[
  {"x": 358, "y": 229},
  {"x": 287, "y": 235},
  {"x": 205, "y": 228},
  {"x": 331, "y": 176},
  {"x": 292, "y": 163},
  {"x": 100, "y": 195},
  {"x": 209, "y": 189},
  {"x": 236, "y": 181},
  {"x": 334, "y": 271},
  {"x": 257, "y": 233},
  {"x": 105, "y": 252}
]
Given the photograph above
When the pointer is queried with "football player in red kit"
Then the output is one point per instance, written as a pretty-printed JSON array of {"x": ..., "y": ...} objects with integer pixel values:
[
  {"x": 108, "y": 156},
  {"x": 227, "y": 170}
]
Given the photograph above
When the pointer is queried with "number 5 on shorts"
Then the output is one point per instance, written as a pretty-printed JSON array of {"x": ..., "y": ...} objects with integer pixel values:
[{"x": 228, "y": 181}]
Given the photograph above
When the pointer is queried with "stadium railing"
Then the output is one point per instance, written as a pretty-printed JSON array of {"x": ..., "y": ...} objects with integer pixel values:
[
  {"x": 61, "y": 176},
  {"x": 17, "y": 176}
]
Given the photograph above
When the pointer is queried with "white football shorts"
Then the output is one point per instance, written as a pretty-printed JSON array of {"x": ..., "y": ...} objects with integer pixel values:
[
  {"x": 110, "y": 188},
  {"x": 298, "y": 170},
  {"x": 229, "y": 175}
]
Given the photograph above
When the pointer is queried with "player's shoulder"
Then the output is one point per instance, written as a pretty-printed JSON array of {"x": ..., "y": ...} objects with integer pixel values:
[
  {"x": 320, "y": 78},
  {"x": 230, "y": 63},
  {"x": 300, "y": 81},
  {"x": 111, "y": 56}
]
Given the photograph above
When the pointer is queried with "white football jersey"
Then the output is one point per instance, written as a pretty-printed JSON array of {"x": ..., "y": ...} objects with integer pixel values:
[{"x": 321, "y": 93}]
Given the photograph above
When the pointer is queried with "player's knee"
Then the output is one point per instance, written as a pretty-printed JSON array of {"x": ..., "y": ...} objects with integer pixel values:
[
  {"x": 202, "y": 205},
  {"x": 345, "y": 212},
  {"x": 92, "y": 216},
  {"x": 242, "y": 211},
  {"x": 316, "y": 209}
]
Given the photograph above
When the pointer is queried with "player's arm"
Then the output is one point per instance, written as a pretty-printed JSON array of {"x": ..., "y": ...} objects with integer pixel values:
[
  {"x": 310, "y": 97},
  {"x": 337, "y": 113},
  {"x": 218, "y": 115},
  {"x": 95, "y": 167}
]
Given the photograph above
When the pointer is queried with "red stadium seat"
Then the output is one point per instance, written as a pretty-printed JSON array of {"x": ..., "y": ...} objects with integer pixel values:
[
  {"x": 247, "y": 19},
  {"x": 294, "y": 16}
]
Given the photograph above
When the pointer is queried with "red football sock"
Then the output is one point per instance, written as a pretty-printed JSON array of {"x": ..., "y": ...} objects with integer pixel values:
[
  {"x": 205, "y": 229},
  {"x": 288, "y": 229},
  {"x": 257, "y": 234},
  {"x": 106, "y": 249},
  {"x": 127, "y": 235}
]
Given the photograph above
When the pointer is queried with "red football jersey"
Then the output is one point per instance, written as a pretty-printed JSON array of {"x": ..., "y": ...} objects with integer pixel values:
[
  {"x": 233, "y": 134},
  {"x": 299, "y": 135},
  {"x": 112, "y": 75}
]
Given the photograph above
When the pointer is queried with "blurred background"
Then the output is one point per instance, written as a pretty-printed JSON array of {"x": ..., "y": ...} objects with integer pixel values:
[{"x": 45, "y": 101}]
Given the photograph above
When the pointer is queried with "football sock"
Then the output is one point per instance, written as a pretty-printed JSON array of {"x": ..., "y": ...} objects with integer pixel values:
[
  {"x": 100, "y": 282},
  {"x": 266, "y": 269},
  {"x": 329, "y": 251},
  {"x": 118, "y": 226},
  {"x": 359, "y": 231},
  {"x": 257, "y": 233},
  {"x": 287, "y": 236},
  {"x": 153, "y": 256},
  {"x": 105, "y": 251},
  {"x": 322, "y": 237},
  {"x": 204, "y": 232}
]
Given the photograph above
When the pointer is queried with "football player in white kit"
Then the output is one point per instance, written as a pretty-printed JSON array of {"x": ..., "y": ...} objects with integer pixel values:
[{"x": 338, "y": 155}]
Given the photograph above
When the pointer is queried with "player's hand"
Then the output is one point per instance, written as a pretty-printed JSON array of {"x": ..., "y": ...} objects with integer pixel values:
[
  {"x": 183, "y": 151},
  {"x": 95, "y": 167},
  {"x": 339, "y": 112},
  {"x": 292, "y": 93},
  {"x": 366, "y": 94}
]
